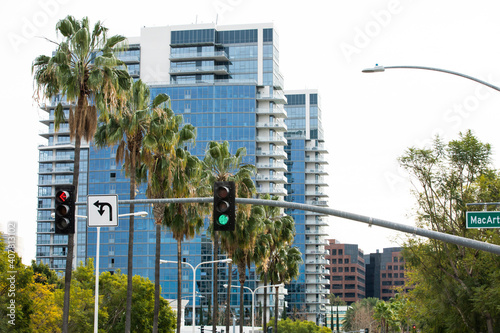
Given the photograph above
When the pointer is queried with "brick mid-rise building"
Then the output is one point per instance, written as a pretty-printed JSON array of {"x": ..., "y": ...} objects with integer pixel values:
[{"x": 346, "y": 271}]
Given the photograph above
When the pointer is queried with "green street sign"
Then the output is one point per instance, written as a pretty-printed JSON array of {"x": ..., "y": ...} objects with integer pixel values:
[{"x": 483, "y": 219}]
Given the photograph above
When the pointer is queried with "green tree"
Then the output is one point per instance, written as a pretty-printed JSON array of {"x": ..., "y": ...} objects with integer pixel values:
[
  {"x": 160, "y": 145},
  {"x": 360, "y": 315},
  {"x": 300, "y": 326},
  {"x": 283, "y": 268},
  {"x": 83, "y": 69},
  {"x": 279, "y": 231},
  {"x": 456, "y": 288},
  {"x": 15, "y": 291},
  {"x": 384, "y": 312},
  {"x": 185, "y": 220},
  {"x": 127, "y": 129},
  {"x": 220, "y": 165}
]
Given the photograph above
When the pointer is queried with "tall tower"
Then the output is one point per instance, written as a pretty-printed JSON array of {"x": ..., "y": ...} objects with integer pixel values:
[
  {"x": 306, "y": 184},
  {"x": 225, "y": 81}
]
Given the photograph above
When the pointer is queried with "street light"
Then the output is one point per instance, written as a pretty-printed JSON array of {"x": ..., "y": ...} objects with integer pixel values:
[
  {"x": 253, "y": 297},
  {"x": 194, "y": 279},
  {"x": 378, "y": 68}
]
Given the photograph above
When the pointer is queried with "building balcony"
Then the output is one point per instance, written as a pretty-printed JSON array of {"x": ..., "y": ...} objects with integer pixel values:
[
  {"x": 317, "y": 171},
  {"x": 215, "y": 55},
  {"x": 276, "y": 97},
  {"x": 277, "y": 125},
  {"x": 316, "y": 159},
  {"x": 319, "y": 147},
  {"x": 278, "y": 166},
  {"x": 317, "y": 202},
  {"x": 316, "y": 242},
  {"x": 275, "y": 138},
  {"x": 318, "y": 301},
  {"x": 276, "y": 190},
  {"x": 316, "y": 291},
  {"x": 318, "y": 232},
  {"x": 317, "y": 280},
  {"x": 281, "y": 179},
  {"x": 321, "y": 271},
  {"x": 316, "y": 222},
  {"x": 219, "y": 70},
  {"x": 316, "y": 193},
  {"x": 318, "y": 251},
  {"x": 317, "y": 181},
  {"x": 317, "y": 262},
  {"x": 276, "y": 153},
  {"x": 276, "y": 111}
]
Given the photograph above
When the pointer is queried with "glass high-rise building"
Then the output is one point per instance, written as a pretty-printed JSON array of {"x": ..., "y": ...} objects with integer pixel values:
[{"x": 224, "y": 80}]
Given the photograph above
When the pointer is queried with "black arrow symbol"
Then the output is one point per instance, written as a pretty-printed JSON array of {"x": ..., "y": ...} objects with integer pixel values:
[{"x": 101, "y": 205}]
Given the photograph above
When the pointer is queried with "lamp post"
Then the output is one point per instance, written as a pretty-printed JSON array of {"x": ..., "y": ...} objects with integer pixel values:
[
  {"x": 97, "y": 254},
  {"x": 194, "y": 280},
  {"x": 378, "y": 68},
  {"x": 253, "y": 297}
]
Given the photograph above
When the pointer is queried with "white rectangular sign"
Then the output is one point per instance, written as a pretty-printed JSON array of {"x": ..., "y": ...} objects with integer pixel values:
[{"x": 102, "y": 210}]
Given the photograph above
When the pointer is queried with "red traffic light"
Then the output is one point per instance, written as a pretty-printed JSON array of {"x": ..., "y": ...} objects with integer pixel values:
[{"x": 62, "y": 196}]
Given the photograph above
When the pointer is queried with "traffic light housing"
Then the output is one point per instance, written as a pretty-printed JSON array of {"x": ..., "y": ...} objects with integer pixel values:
[
  {"x": 224, "y": 206},
  {"x": 65, "y": 210}
]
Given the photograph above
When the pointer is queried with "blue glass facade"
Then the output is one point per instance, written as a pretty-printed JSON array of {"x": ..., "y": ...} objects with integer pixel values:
[
  {"x": 305, "y": 158},
  {"x": 225, "y": 82}
]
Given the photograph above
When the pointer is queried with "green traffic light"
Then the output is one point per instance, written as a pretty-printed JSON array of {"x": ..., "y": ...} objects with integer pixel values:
[{"x": 223, "y": 219}]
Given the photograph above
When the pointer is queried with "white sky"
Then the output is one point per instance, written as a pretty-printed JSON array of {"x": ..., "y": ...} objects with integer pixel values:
[{"x": 370, "y": 119}]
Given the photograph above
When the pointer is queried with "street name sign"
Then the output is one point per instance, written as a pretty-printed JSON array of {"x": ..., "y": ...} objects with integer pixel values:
[
  {"x": 483, "y": 219},
  {"x": 102, "y": 210}
]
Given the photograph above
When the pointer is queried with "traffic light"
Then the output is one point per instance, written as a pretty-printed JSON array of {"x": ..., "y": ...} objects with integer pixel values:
[
  {"x": 65, "y": 210},
  {"x": 202, "y": 329},
  {"x": 414, "y": 328},
  {"x": 224, "y": 206},
  {"x": 367, "y": 330}
]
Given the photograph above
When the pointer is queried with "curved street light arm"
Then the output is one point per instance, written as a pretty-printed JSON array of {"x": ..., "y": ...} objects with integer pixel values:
[{"x": 378, "y": 68}]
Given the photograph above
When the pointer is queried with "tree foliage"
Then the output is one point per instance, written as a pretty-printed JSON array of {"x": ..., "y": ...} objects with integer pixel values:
[
  {"x": 299, "y": 326},
  {"x": 360, "y": 315},
  {"x": 457, "y": 289}
]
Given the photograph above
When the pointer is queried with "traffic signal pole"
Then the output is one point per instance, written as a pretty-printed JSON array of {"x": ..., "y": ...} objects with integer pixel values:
[{"x": 461, "y": 241}]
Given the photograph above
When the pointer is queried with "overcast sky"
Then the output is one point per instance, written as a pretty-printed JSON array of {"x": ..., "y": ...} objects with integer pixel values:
[{"x": 369, "y": 119}]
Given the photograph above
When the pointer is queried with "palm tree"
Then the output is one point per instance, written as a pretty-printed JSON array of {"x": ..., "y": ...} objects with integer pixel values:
[
  {"x": 284, "y": 268},
  {"x": 159, "y": 152},
  {"x": 85, "y": 71},
  {"x": 384, "y": 312},
  {"x": 279, "y": 231},
  {"x": 220, "y": 165},
  {"x": 127, "y": 130},
  {"x": 183, "y": 219}
]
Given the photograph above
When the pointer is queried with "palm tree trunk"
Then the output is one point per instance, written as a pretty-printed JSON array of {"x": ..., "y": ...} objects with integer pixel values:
[
  {"x": 128, "y": 309},
  {"x": 276, "y": 310},
  {"x": 241, "y": 273},
  {"x": 179, "y": 290},
  {"x": 157, "y": 277},
  {"x": 228, "y": 295},
  {"x": 264, "y": 324},
  {"x": 215, "y": 284},
  {"x": 71, "y": 240}
]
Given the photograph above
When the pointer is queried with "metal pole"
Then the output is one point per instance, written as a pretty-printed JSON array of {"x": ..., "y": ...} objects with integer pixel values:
[
  {"x": 383, "y": 68},
  {"x": 194, "y": 280},
  {"x": 462, "y": 241},
  {"x": 96, "y": 303}
]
